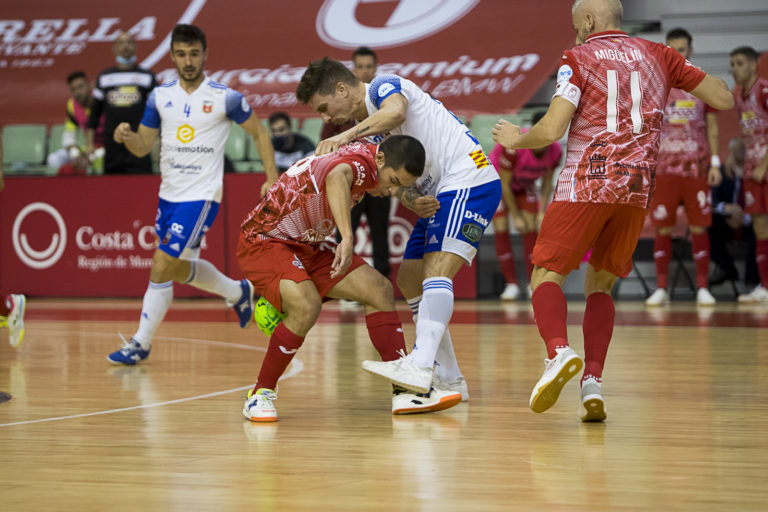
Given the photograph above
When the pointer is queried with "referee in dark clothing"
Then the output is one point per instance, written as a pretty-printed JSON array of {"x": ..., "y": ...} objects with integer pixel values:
[{"x": 120, "y": 94}]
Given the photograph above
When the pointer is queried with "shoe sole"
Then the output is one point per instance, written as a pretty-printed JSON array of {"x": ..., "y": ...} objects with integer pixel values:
[
  {"x": 262, "y": 420},
  {"x": 595, "y": 410},
  {"x": 549, "y": 393},
  {"x": 406, "y": 385},
  {"x": 445, "y": 403},
  {"x": 118, "y": 363}
]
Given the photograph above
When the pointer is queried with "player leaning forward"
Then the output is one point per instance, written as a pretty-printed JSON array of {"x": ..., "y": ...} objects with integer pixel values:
[
  {"x": 283, "y": 250},
  {"x": 612, "y": 89},
  {"x": 195, "y": 115},
  {"x": 455, "y": 198}
]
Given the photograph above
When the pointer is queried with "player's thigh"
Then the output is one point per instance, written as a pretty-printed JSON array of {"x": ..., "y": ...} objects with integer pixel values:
[
  {"x": 530, "y": 220},
  {"x": 666, "y": 198},
  {"x": 613, "y": 249},
  {"x": 760, "y": 222},
  {"x": 697, "y": 199},
  {"x": 567, "y": 232},
  {"x": 442, "y": 264},
  {"x": 367, "y": 286}
]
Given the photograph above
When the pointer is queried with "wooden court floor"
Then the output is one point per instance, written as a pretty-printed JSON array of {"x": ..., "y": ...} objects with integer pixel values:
[{"x": 686, "y": 392}]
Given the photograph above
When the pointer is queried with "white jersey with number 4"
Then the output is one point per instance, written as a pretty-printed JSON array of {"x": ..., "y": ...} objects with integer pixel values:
[
  {"x": 193, "y": 129},
  {"x": 455, "y": 159}
]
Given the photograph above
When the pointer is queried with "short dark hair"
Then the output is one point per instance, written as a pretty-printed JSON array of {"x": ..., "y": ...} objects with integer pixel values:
[
  {"x": 321, "y": 76},
  {"x": 188, "y": 34},
  {"x": 363, "y": 51},
  {"x": 746, "y": 51},
  {"x": 404, "y": 151},
  {"x": 276, "y": 116},
  {"x": 679, "y": 33},
  {"x": 537, "y": 116},
  {"x": 75, "y": 75}
]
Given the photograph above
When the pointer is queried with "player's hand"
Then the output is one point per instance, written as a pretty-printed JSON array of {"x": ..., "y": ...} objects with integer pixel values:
[
  {"x": 343, "y": 258},
  {"x": 759, "y": 172},
  {"x": 520, "y": 225},
  {"x": 329, "y": 145},
  {"x": 426, "y": 206},
  {"x": 714, "y": 177},
  {"x": 506, "y": 133},
  {"x": 122, "y": 132},
  {"x": 266, "y": 186}
]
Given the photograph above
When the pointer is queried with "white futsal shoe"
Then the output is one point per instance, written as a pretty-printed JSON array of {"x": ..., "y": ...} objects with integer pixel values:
[
  {"x": 511, "y": 292},
  {"x": 15, "y": 319},
  {"x": 407, "y": 402},
  {"x": 259, "y": 407},
  {"x": 457, "y": 386},
  {"x": 403, "y": 373},
  {"x": 592, "y": 402},
  {"x": 759, "y": 294},
  {"x": 658, "y": 298},
  {"x": 565, "y": 365},
  {"x": 705, "y": 298}
]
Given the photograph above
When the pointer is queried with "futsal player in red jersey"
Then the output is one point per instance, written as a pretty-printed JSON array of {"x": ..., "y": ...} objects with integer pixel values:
[
  {"x": 284, "y": 250},
  {"x": 751, "y": 94},
  {"x": 612, "y": 89},
  {"x": 687, "y": 166},
  {"x": 519, "y": 171}
]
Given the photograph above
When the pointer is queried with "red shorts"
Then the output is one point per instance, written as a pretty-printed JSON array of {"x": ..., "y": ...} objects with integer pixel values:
[
  {"x": 525, "y": 200},
  {"x": 755, "y": 197},
  {"x": 569, "y": 230},
  {"x": 694, "y": 193},
  {"x": 266, "y": 262}
]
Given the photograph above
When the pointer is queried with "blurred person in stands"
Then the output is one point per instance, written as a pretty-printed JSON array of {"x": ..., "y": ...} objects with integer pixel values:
[
  {"x": 612, "y": 90},
  {"x": 193, "y": 114},
  {"x": 751, "y": 94},
  {"x": 730, "y": 223},
  {"x": 12, "y": 305},
  {"x": 120, "y": 96},
  {"x": 289, "y": 146},
  {"x": 519, "y": 170},
  {"x": 687, "y": 166},
  {"x": 71, "y": 158}
]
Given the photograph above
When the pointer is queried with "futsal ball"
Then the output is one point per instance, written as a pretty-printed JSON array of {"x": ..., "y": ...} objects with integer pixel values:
[{"x": 266, "y": 316}]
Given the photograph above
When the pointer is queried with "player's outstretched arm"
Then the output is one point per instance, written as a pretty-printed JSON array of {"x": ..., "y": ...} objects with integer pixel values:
[
  {"x": 548, "y": 130},
  {"x": 255, "y": 129},
  {"x": 139, "y": 143},
  {"x": 338, "y": 188},
  {"x": 714, "y": 93}
]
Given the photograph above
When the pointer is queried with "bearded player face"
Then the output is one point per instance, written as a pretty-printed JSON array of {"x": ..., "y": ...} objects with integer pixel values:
[{"x": 189, "y": 59}]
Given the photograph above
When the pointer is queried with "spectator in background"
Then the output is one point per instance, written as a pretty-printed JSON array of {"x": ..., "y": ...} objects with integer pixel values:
[
  {"x": 120, "y": 96},
  {"x": 71, "y": 158},
  {"x": 519, "y": 170},
  {"x": 751, "y": 94},
  {"x": 290, "y": 147},
  {"x": 730, "y": 223}
]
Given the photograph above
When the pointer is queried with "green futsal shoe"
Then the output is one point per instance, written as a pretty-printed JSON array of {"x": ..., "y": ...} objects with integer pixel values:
[{"x": 266, "y": 316}]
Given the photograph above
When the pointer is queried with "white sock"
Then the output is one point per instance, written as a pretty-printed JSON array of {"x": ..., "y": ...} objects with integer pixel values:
[
  {"x": 435, "y": 312},
  {"x": 204, "y": 275},
  {"x": 446, "y": 365},
  {"x": 157, "y": 300}
]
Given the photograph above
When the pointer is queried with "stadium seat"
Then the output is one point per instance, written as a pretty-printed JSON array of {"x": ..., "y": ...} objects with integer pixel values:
[
  {"x": 311, "y": 128},
  {"x": 482, "y": 126},
  {"x": 248, "y": 166},
  {"x": 54, "y": 138},
  {"x": 24, "y": 148},
  {"x": 236, "y": 145}
]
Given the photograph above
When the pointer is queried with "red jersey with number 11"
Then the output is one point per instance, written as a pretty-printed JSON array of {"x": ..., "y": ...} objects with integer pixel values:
[{"x": 619, "y": 85}]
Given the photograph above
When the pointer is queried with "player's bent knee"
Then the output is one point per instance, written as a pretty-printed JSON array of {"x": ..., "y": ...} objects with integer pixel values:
[{"x": 303, "y": 311}]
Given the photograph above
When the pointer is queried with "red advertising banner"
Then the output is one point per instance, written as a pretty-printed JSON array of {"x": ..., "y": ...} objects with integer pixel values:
[
  {"x": 94, "y": 236},
  {"x": 476, "y": 56}
]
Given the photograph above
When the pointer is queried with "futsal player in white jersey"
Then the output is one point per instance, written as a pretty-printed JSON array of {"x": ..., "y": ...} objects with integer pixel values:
[
  {"x": 456, "y": 198},
  {"x": 195, "y": 115}
]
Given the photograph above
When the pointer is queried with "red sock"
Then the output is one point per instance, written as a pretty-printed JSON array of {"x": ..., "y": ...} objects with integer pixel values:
[
  {"x": 662, "y": 254},
  {"x": 761, "y": 253},
  {"x": 529, "y": 240},
  {"x": 5, "y": 306},
  {"x": 506, "y": 257},
  {"x": 598, "y": 329},
  {"x": 386, "y": 333},
  {"x": 700, "y": 246},
  {"x": 282, "y": 347},
  {"x": 550, "y": 312}
]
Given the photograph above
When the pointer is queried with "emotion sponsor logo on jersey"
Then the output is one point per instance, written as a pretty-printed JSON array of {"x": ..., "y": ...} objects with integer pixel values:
[{"x": 185, "y": 133}]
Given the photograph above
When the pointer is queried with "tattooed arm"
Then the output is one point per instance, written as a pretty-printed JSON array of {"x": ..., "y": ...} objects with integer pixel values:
[
  {"x": 423, "y": 206},
  {"x": 388, "y": 117}
]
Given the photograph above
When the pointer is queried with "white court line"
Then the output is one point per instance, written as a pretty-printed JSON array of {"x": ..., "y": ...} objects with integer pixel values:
[{"x": 296, "y": 367}]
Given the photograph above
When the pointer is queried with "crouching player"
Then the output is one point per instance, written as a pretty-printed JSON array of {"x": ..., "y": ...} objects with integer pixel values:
[{"x": 284, "y": 251}]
